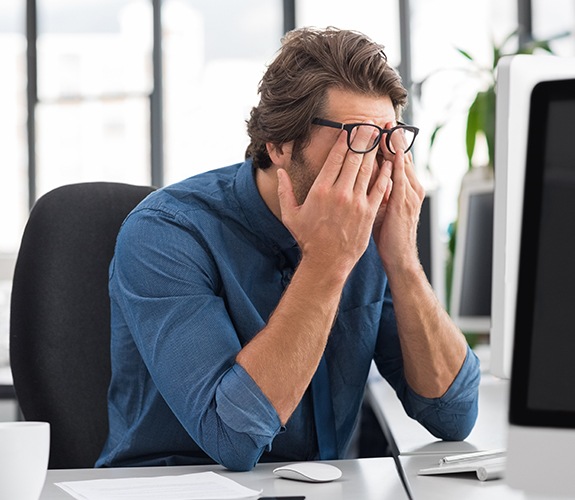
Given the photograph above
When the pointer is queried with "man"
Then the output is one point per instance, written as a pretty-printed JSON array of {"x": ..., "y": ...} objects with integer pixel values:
[{"x": 248, "y": 302}]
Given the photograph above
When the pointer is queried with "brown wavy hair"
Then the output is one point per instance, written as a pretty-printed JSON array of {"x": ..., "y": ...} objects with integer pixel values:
[{"x": 293, "y": 89}]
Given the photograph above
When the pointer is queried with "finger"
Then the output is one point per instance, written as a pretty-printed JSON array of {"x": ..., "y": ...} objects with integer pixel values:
[
  {"x": 286, "y": 196},
  {"x": 368, "y": 171},
  {"x": 356, "y": 162},
  {"x": 398, "y": 174},
  {"x": 331, "y": 169},
  {"x": 387, "y": 154},
  {"x": 410, "y": 169},
  {"x": 387, "y": 169},
  {"x": 382, "y": 185},
  {"x": 379, "y": 159},
  {"x": 412, "y": 180},
  {"x": 398, "y": 140}
]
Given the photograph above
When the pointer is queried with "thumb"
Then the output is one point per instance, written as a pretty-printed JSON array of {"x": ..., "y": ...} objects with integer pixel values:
[{"x": 286, "y": 196}]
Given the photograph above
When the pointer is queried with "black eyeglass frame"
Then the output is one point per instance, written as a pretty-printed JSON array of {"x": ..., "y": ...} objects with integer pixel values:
[{"x": 348, "y": 127}]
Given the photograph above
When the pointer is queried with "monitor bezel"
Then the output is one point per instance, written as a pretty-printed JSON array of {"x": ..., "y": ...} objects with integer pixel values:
[
  {"x": 520, "y": 413},
  {"x": 467, "y": 323}
]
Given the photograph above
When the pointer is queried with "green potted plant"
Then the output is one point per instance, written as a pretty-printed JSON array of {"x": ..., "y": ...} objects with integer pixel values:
[
  {"x": 481, "y": 114},
  {"x": 480, "y": 124}
]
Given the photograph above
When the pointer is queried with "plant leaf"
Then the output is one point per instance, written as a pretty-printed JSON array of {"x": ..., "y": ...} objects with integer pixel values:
[
  {"x": 489, "y": 122},
  {"x": 437, "y": 128},
  {"x": 496, "y": 56},
  {"x": 473, "y": 126},
  {"x": 511, "y": 35},
  {"x": 481, "y": 120},
  {"x": 465, "y": 54}
]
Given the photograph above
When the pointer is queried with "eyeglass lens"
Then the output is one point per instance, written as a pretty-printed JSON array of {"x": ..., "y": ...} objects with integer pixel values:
[{"x": 398, "y": 138}]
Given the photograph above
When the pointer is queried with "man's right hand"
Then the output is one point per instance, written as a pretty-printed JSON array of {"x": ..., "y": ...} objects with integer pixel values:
[{"x": 334, "y": 224}]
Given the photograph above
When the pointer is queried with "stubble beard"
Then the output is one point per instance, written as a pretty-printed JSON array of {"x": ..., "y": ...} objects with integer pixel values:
[{"x": 301, "y": 174}]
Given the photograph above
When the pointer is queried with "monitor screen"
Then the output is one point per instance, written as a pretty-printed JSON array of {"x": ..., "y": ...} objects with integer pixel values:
[
  {"x": 424, "y": 234},
  {"x": 470, "y": 305},
  {"x": 429, "y": 244},
  {"x": 543, "y": 367}
]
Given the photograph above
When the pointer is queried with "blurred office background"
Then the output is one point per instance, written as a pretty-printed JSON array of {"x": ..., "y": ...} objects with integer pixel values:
[{"x": 153, "y": 91}]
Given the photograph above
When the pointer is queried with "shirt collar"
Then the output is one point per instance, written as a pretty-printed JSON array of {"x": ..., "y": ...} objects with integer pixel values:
[{"x": 260, "y": 218}]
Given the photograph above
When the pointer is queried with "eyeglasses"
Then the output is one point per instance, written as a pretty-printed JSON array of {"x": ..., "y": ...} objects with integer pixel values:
[{"x": 402, "y": 134}]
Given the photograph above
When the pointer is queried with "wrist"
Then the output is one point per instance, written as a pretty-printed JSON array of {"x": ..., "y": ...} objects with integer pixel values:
[
  {"x": 322, "y": 274},
  {"x": 404, "y": 269},
  {"x": 400, "y": 261}
]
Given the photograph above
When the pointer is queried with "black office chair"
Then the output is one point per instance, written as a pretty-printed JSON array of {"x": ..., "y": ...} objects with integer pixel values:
[{"x": 60, "y": 315}]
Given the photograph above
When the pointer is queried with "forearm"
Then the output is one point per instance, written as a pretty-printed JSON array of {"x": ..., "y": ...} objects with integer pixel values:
[
  {"x": 433, "y": 348},
  {"x": 284, "y": 356}
]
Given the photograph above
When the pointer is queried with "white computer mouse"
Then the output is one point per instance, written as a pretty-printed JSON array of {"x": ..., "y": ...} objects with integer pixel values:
[{"x": 312, "y": 472}]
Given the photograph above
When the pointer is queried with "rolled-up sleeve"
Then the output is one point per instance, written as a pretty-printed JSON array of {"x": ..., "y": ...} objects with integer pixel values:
[
  {"x": 166, "y": 285},
  {"x": 248, "y": 418},
  {"x": 450, "y": 417}
]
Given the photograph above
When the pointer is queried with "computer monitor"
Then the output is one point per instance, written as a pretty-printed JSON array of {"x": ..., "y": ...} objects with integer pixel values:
[
  {"x": 516, "y": 77},
  {"x": 542, "y": 400},
  {"x": 470, "y": 304}
]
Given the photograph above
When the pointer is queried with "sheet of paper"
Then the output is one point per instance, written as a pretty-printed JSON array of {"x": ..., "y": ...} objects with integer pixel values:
[{"x": 198, "y": 486}]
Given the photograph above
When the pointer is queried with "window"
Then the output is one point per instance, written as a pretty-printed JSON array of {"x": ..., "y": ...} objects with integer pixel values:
[
  {"x": 214, "y": 58},
  {"x": 552, "y": 18},
  {"x": 378, "y": 20},
  {"x": 94, "y": 81},
  {"x": 13, "y": 157}
]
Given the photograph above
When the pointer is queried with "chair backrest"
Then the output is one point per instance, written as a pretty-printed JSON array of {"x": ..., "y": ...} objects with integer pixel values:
[{"x": 60, "y": 315}]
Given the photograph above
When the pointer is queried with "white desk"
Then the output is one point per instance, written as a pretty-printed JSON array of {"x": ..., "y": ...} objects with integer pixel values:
[
  {"x": 408, "y": 437},
  {"x": 363, "y": 479},
  {"x": 415, "y": 448},
  {"x": 5, "y": 375},
  {"x": 6, "y": 386}
]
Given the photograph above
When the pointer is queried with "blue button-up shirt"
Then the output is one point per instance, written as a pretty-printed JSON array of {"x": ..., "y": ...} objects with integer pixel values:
[{"x": 198, "y": 269}]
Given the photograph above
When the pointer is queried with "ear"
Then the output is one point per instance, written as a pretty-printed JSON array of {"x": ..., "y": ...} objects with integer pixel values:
[{"x": 280, "y": 154}]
